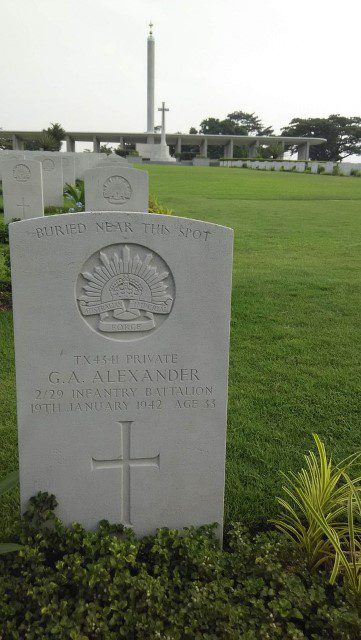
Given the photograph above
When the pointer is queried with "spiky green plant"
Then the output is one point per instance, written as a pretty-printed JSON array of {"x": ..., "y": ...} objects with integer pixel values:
[
  {"x": 156, "y": 207},
  {"x": 320, "y": 489},
  {"x": 346, "y": 543},
  {"x": 7, "y": 483},
  {"x": 75, "y": 193}
]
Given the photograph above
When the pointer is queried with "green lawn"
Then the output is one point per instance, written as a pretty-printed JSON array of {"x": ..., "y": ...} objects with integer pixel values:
[{"x": 295, "y": 341}]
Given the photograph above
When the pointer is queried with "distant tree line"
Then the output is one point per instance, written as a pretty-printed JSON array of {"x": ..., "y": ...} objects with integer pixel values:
[{"x": 342, "y": 134}]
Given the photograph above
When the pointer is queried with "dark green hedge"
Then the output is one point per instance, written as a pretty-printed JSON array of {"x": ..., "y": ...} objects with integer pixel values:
[{"x": 70, "y": 584}]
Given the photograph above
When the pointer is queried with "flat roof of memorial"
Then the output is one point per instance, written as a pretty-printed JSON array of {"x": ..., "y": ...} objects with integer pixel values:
[{"x": 187, "y": 138}]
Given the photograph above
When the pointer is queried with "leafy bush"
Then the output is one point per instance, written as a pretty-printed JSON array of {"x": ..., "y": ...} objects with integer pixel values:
[
  {"x": 7, "y": 265},
  {"x": 355, "y": 173},
  {"x": 185, "y": 155},
  {"x": 4, "y": 232},
  {"x": 7, "y": 483},
  {"x": 51, "y": 210},
  {"x": 106, "y": 585},
  {"x": 320, "y": 169}
]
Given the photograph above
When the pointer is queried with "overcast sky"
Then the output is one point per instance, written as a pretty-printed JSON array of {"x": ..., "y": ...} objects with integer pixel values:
[{"x": 83, "y": 62}]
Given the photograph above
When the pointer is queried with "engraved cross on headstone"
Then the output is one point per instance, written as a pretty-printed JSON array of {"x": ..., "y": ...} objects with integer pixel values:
[
  {"x": 23, "y": 205},
  {"x": 163, "y": 109},
  {"x": 125, "y": 463}
]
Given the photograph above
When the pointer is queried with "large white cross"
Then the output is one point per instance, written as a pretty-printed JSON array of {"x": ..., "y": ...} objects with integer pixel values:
[
  {"x": 125, "y": 463},
  {"x": 163, "y": 109}
]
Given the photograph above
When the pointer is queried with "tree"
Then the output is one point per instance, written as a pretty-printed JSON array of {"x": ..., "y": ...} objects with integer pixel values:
[
  {"x": 238, "y": 123},
  {"x": 5, "y": 143},
  {"x": 250, "y": 124},
  {"x": 104, "y": 148},
  {"x": 193, "y": 130},
  {"x": 50, "y": 139},
  {"x": 57, "y": 132},
  {"x": 343, "y": 135}
]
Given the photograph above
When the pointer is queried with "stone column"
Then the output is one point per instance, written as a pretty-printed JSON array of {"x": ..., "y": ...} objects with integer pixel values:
[
  {"x": 204, "y": 148},
  {"x": 96, "y": 145},
  {"x": 18, "y": 143},
  {"x": 303, "y": 151},
  {"x": 228, "y": 149},
  {"x": 150, "y": 81},
  {"x": 179, "y": 145},
  {"x": 121, "y": 142},
  {"x": 70, "y": 143},
  {"x": 282, "y": 151},
  {"x": 253, "y": 149}
]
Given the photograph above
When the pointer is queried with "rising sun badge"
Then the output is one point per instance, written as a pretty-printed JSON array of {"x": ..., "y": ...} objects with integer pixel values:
[{"x": 125, "y": 289}]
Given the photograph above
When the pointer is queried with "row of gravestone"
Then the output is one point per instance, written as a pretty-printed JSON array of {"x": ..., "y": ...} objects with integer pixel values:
[
  {"x": 344, "y": 168},
  {"x": 32, "y": 180}
]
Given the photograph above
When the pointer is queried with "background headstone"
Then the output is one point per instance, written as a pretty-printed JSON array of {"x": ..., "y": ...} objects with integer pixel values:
[
  {"x": 9, "y": 155},
  {"x": 22, "y": 189},
  {"x": 68, "y": 166},
  {"x": 116, "y": 188},
  {"x": 122, "y": 333},
  {"x": 53, "y": 186},
  {"x": 328, "y": 167}
]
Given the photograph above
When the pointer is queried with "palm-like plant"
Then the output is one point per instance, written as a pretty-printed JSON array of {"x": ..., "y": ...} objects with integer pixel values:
[
  {"x": 75, "y": 193},
  {"x": 6, "y": 484},
  {"x": 346, "y": 543},
  {"x": 316, "y": 493}
]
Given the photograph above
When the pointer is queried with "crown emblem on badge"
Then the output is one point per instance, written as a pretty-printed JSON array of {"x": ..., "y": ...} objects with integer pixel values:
[
  {"x": 125, "y": 291},
  {"x": 21, "y": 173}
]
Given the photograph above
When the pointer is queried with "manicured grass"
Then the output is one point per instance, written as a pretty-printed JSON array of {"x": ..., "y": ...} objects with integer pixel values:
[{"x": 295, "y": 339}]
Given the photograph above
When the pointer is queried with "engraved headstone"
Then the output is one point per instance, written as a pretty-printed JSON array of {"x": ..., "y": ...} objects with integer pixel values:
[
  {"x": 122, "y": 395},
  {"x": 68, "y": 166},
  {"x": 115, "y": 187},
  {"x": 52, "y": 176},
  {"x": 7, "y": 154},
  {"x": 22, "y": 189}
]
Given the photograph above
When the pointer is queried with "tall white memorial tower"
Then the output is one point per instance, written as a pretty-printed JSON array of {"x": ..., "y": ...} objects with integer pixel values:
[
  {"x": 151, "y": 150},
  {"x": 150, "y": 81}
]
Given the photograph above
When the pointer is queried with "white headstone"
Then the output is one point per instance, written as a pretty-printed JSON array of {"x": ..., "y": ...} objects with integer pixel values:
[
  {"x": 346, "y": 168},
  {"x": 6, "y": 154},
  {"x": 122, "y": 394},
  {"x": 328, "y": 167},
  {"x": 53, "y": 185},
  {"x": 300, "y": 166},
  {"x": 116, "y": 188},
  {"x": 68, "y": 166},
  {"x": 314, "y": 167},
  {"x": 22, "y": 189}
]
